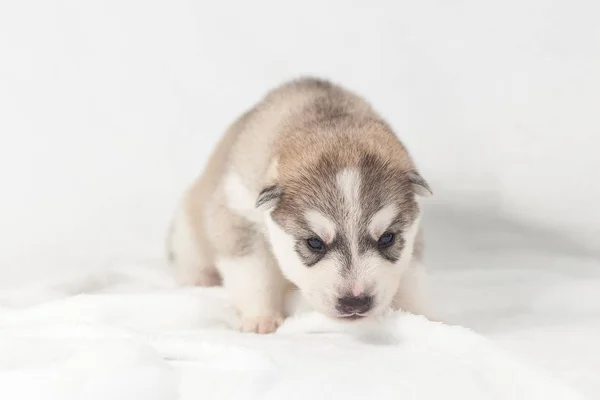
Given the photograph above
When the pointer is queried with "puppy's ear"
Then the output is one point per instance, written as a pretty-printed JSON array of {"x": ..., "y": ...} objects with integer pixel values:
[
  {"x": 419, "y": 185},
  {"x": 268, "y": 197}
]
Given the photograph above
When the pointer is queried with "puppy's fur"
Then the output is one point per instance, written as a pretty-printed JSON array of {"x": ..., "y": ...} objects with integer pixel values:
[{"x": 311, "y": 164}]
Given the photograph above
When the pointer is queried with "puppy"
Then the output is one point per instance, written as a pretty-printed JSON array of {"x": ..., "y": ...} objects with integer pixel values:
[{"x": 309, "y": 189}]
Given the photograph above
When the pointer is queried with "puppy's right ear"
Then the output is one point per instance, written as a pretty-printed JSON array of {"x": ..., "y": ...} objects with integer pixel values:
[{"x": 268, "y": 197}]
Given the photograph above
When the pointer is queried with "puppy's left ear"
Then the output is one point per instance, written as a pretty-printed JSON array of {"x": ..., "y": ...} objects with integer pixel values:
[
  {"x": 419, "y": 185},
  {"x": 268, "y": 197}
]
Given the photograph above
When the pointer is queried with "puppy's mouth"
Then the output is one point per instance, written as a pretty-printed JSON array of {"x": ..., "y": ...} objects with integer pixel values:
[{"x": 352, "y": 317}]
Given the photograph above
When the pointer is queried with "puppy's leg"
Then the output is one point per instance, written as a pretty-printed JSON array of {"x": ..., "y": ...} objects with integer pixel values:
[
  {"x": 189, "y": 252},
  {"x": 412, "y": 294},
  {"x": 257, "y": 288},
  {"x": 251, "y": 276}
]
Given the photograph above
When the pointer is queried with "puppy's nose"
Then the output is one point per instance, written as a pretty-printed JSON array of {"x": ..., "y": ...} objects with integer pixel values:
[{"x": 355, "y": 304}]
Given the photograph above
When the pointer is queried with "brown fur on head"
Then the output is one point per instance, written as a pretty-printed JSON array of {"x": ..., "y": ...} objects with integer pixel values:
[{"x": 347, "y": 183}]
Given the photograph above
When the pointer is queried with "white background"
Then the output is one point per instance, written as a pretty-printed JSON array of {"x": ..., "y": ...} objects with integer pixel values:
[{"x": 109, "y": 108}]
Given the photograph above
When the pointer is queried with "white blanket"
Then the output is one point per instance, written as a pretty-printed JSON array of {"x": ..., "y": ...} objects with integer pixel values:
[{"x": 135, "y": 336}]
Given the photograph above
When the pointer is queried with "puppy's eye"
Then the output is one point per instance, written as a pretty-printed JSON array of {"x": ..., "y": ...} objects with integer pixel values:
[
  {"x": 315, "y": 244},
  {"x": 386, "y": 240}
]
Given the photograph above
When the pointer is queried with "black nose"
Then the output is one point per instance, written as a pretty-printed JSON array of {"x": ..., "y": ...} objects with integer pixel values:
[{"x": 355, "y": 305}]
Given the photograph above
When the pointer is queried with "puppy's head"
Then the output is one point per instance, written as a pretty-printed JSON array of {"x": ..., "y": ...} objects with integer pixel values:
[{"x": 343, "y": 232}]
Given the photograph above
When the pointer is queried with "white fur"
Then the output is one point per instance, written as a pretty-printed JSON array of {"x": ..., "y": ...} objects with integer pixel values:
[
  {"x": 316, "y": 283},
  {"x": 322, "y": 284},
  {"x": 366, "y": 268},
  {"x": 382, "y": 220},
  {"x": 254, "y": 283},
  {"x": 239, "y": 198},
  {"x": 349, "y": 181},
  {"x": 389, "y": 281},
  {"x": 283, "y": 247},
  {"x": 412, "y": 293},
  {"x": 321, "y": 225},
  {"x": 187, "y": 261},
  {"x": 409, "y": 236}
]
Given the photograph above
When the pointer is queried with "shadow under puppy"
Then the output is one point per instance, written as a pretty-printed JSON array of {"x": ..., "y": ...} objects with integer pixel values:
[{"x": 311, "y": 189}]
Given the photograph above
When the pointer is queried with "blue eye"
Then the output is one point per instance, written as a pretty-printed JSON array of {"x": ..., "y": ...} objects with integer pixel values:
[
  {"x": 315, "y": 244},
  {"x": 386, "y": 240}
]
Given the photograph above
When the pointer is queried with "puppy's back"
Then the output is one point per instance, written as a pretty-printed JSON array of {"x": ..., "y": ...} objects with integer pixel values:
[{"x": 285, "y": 111}]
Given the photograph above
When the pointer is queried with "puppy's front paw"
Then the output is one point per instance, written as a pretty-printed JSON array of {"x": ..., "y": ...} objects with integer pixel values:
[{"x": 267, "y": 324}]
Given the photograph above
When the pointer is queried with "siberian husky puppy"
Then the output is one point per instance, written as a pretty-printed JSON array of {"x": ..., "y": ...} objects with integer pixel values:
[{"x": 310, "y": 189}]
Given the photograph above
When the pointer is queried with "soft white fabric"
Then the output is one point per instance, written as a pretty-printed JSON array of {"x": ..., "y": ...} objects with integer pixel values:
[{"x": 168, "y": 344}]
